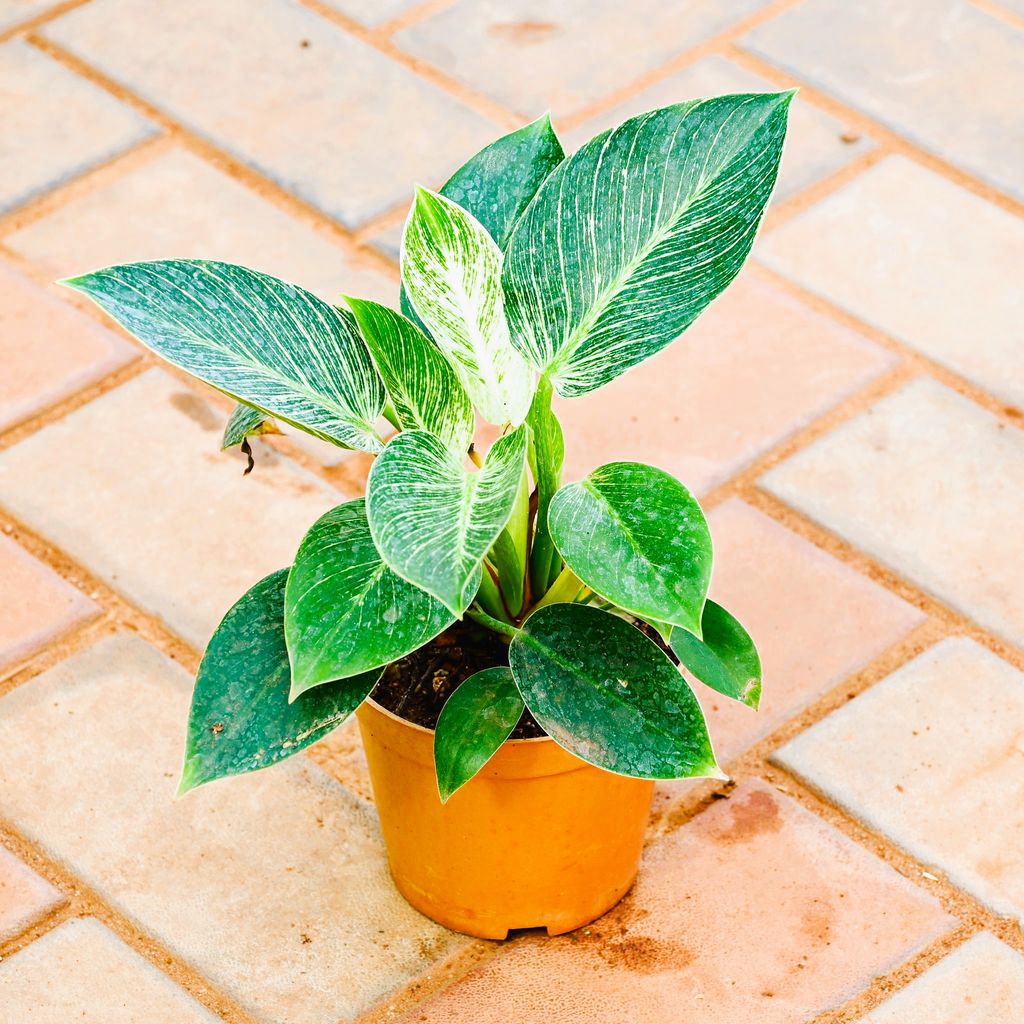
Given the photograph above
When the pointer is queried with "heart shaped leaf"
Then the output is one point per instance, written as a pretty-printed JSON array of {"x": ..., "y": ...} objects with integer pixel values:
[
  {"x": 638, "y": 538},
  {"x": 451, "y": 268},
  {"x": 475, "y": 720},
  {"x": 606, "y": 693},
  {"x": 631, "y": 237},
  {"x": 497, "y": 184},
  {"x": 422, "y": 386},
  {"x": 432, "y": 520},
  {"x": 346, "y": 612},
  {"x": 724, "y": 659},
  {"x": 263, "y": 341},
  {"x": 240, "y": 718}
]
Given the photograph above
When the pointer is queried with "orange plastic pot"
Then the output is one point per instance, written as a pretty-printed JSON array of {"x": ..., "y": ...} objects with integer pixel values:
[{"x": 537, "y": 839}]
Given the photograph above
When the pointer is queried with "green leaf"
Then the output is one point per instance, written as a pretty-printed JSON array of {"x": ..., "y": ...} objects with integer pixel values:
[
  {"x": 638, "y": 538},
  {"x": 474, "y": 722},
  {"x": 496, "y": 185},
  {"x": 240, "y": 718},
  {"x": 432, "y": 520},
  {"x": 609, "y": 695},
  {"x": 725, "y": 659},
  {"x": 245, "y": 421},
  {"x": 451, "y": 268},
  {"x": 546, "y": 453},
  {"x": 263, "y": 341},
  {"x": 630, "y": 238},
  {"x": 423, "y": 387},
  {"x": 508, "y": 561},
  {"x": 346, "y": 612}
]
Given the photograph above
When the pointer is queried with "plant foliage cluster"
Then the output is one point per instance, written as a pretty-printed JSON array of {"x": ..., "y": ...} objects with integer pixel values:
[{"x": 528, "y": 273}]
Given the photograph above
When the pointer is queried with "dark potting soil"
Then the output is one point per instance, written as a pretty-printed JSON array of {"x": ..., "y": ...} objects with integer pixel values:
[{"x": 415, "y": 687}]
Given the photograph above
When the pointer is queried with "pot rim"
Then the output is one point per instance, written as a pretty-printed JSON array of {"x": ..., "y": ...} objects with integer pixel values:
[{"x": 430, "y": 732}]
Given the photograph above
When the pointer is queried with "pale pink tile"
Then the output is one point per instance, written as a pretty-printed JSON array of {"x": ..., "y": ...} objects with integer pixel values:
[
  {"x": 755, "y": 368},
  {"x": 756, "y": 911},
  {"x": 47, "y": 349},
  {"x": 37, "y": 604},
  {"x": 24, "y": 896},
  {"x": 815, "y": 621}
]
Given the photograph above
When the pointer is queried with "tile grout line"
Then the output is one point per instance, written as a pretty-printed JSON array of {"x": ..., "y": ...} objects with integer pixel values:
[
  {"x": 38, "y": 20},
  {"x": 262, "y": 185},
  {"x": 898, "y": 144},
  {"x": 83, "y": 901}
]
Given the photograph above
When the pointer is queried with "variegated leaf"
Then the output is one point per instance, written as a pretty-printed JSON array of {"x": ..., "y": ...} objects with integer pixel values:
[
  {"x": 629, "y": 239},
  {"x": 451, "y": 268},
  {"x": 432, "y": 520},
  {"x": 426, "y": 393},
  {"x": 345, "y": 611},
  {"x": 268, "y": 343},
  {"x": 496, "y": 184}
]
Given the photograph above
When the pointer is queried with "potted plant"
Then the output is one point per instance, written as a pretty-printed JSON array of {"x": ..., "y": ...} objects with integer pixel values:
[{"x": 514, "y": 647}]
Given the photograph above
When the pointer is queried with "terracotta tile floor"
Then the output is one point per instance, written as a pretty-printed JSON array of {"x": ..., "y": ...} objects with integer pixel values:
[{"x": 848, "y": 413}]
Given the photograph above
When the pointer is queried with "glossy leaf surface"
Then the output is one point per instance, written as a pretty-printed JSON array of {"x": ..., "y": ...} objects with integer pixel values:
[
  {"x": 423, "y": 388},
  {"x": 631, "y": 237},
  {"x": 261, "y": 340},
  {"x": 724, "y": 659},
  {"x": 474, "y": 722},
  {"x": 605, "y": 692},
  {"x": 451, "y": 269},
  {"x": 433, "y": 520},
  {"x": 240, "y": 718},
  {"x": 638, "y": 538},
  {"x": 346, "y": 612}
]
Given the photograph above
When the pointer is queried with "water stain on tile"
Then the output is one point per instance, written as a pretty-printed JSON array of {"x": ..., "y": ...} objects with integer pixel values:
[
  {"x": 612, "y": 943},
  {"x": 753, "y": 815},
  {"x": 524, "y": 33},
  {"x": 196, "y": 410}
]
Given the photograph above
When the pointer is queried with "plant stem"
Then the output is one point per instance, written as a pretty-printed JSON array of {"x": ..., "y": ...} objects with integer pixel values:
[
  {"x": 388, "y": 412},
  {"x": 566, "y": 589},
  {"x": 504, "y": 628}
]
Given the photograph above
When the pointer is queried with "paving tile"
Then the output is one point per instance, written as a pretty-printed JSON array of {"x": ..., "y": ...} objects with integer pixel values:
[
  {"x": 13, "y": 12},
  {"x": 880, "y": 248},
  {"x": 82, "y": 971},
  {"x": 940, "y": 72},
  {"x": 273, "y": 886},
  {"x": 790, "y": 594},
  {"x": 930, "y": 484},
  {"x": 24, "y": 897},
  {"x": 48, "y": 350},
  {"x": 754, "y": 911},
  {"x": 814, "y": 144},
  {"x": 326, "y": 116},
  {"x": 135, "y": 487},
  {"x": 176, "y": 205},
  {"x": 933, "y": 756},
  {"x": 57, "y": 125},
  {"x": 373, "y": 12},
  {"x": 38, "y": 605},
  {"x": 982, "y": 982},
  {"x": 758, "y": 366},
  {"x": 557, "y": 55}
]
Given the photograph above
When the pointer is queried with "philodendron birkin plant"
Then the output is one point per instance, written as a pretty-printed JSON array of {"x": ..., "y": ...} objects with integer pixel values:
[{"x": 528, "y": 273}]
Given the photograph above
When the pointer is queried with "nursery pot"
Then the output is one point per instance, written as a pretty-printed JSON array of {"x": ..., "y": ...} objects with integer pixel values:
[{"x": 537, "y": 839}]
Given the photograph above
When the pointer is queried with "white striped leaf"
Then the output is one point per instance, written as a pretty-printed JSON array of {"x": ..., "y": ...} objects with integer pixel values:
[
  {"x": 638, "y": 538},
  {"x": 433, "y": 521},
  {"x": 451, "y": 268},
  {"x": 426, "y": 393},
  {"x": 261, "y": 340},
  {"x": 629, "y": 239},
  {"x": 496, "y": 184},
  {"x": 345, "y": 611}
]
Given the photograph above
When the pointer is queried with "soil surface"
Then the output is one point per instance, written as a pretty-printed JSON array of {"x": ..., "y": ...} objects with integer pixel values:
[{"x": 416, "y": 687}]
